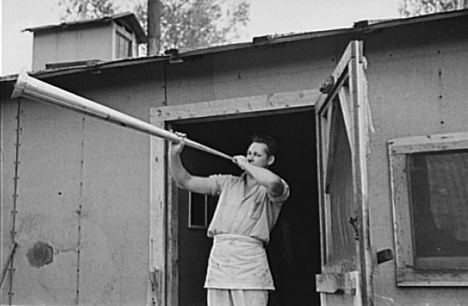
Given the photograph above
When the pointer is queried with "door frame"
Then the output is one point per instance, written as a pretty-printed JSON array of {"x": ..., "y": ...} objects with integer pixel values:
[
  {"x": 350, "y": 71},
  {"x": 163, "y": 254}
]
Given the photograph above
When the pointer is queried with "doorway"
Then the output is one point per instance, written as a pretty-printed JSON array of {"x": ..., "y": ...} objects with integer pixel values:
[{"x": 294, "y": 250}]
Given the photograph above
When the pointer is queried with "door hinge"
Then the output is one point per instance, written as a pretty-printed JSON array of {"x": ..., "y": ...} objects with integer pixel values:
[{"x": 354, "y": 223}]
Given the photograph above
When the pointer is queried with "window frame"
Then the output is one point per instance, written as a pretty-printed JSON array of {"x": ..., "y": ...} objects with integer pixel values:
[
  {"x": 208, "y": 207},
  {"x": 191, "y": 202},
  {"x": 399, "y": 150},
  {"x": 123, "y": 38}
]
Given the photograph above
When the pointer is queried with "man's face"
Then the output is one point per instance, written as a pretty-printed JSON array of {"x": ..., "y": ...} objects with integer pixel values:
[{"x": 257, "y": 155}]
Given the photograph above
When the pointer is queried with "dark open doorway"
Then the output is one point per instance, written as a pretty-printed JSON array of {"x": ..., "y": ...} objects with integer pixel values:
[{"x": 294, "y": 251}]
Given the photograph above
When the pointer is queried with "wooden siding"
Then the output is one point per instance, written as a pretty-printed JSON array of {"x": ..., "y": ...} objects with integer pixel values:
[
  {"x": 417, "y": 86},
  {"x": 83, "y": 190}
]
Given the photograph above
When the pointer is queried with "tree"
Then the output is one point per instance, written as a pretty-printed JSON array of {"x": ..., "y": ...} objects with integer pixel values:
[
  {"x": 411, "y": 8},
  {"x": 185, "y": 24},
  {"x": 86, "y": 9},
  {"x": 194, "y": 24}
]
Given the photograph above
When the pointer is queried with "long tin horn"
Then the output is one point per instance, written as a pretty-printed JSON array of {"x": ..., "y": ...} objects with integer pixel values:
[{"x": 34, "y": 89}]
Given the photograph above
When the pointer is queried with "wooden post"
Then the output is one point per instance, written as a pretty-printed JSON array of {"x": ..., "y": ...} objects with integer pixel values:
[{"x": 154, "y": 27}]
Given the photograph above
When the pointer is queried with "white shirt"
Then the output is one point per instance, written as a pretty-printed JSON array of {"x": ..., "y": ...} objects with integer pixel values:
[{"x": 252, "y": 215}]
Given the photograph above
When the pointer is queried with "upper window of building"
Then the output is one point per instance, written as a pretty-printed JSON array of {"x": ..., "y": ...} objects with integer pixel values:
[{"x": 123, "y": 47}]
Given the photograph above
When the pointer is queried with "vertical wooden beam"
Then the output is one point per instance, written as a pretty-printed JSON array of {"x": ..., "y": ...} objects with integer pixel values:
[
  {"x": 172, "y": 241},
  {"x": 361, "y": 129},
  {"x": 157, "y": 256},
  {"x": 319, "y": 125}
]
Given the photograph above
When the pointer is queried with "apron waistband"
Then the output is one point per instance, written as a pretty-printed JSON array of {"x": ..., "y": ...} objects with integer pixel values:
[{"x": 233, "y": 237}]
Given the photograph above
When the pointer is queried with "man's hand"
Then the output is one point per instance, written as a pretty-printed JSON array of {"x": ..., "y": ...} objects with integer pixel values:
[
  {"x": 177, "y": 148},
  {"x": 181, "y": 176},
  {"x": 240, "y": 161}
]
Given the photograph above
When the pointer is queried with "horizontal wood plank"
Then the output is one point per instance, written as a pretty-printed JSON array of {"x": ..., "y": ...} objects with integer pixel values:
[
  {"x": 439, "y": 142},
  {"x": 260, "y": 103}
]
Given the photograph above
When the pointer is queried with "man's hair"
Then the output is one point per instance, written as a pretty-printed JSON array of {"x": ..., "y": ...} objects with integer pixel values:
[{"x": 268, "y": 140}]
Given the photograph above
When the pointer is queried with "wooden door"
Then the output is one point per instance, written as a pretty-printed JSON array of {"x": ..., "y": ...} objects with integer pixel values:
[{"x": 343, "y": 121}]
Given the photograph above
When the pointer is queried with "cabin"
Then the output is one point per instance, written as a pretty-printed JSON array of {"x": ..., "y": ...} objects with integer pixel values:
[
  {"x": 86, "y": 42},
  {"x": 373, "y": 126}
]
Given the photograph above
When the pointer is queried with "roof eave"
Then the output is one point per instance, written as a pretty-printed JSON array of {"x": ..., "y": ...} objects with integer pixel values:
[{"x": 361, "y": 27}]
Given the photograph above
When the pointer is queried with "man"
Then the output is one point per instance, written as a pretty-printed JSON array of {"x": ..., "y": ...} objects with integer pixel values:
[{"x": 249, "y": 205}]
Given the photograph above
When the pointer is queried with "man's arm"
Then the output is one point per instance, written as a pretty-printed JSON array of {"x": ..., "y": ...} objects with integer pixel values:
[
  {"x": 182, "y": 177},
  {"x": 263, "y": 176}
]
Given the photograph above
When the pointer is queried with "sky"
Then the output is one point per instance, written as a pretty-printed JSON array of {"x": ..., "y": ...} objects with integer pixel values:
[{"x": 267, "y": 17}]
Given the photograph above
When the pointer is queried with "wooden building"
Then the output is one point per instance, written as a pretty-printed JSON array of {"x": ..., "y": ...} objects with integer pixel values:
[
  {"x": 373, "y": 126},
  {"x": 87, "y": 41}
]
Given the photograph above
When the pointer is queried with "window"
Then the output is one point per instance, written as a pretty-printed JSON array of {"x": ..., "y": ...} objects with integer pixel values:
[
  {"x": 123, "y": 46},
  {"x": 339, "y": 191},
  {"x": 429, "y": 177},
  {"x": 201, "y": 210}
]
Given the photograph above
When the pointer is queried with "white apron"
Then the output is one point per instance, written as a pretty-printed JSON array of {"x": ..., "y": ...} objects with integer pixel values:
[{"x": 238, "y": 262}]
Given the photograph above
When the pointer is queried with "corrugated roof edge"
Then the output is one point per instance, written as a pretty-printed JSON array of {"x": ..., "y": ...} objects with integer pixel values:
[{"x": 365, "y": 26}]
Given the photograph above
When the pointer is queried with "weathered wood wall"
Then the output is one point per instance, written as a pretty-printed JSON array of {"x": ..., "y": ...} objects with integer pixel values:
[
  {"x": 83, "y": 189},
  {"x": 418, "y": 82}
]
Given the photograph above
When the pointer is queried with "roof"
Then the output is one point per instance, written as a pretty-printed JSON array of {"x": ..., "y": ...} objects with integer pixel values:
[
  {"x": 359, "y": 28},
  {"x": 126, "y": 19}
]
